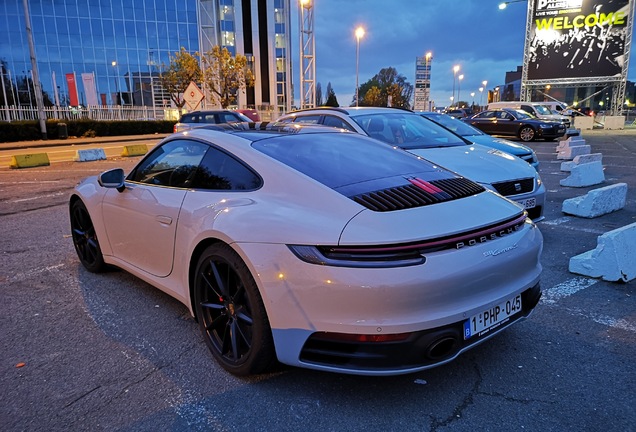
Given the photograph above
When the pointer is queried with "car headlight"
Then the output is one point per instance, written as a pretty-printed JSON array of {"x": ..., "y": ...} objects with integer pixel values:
[{"x": 538, "y": 180}]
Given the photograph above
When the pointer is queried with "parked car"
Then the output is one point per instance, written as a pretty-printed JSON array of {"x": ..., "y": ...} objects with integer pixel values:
[
  {"x": 540, "y": 110},
  {"x": 476, "y": 136},
  {"x": 252, "y": 114},
  {"x": 196, "y": 119},
  {"x": 493, "y": 169},
  {"x": 317, "y": 247},
  {"x": 517, "y": 123},
  {"x": 459, "y": 112}
]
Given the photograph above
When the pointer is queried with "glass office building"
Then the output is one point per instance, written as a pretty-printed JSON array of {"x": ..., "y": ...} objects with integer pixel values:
[{"x": 106, "y": 52}]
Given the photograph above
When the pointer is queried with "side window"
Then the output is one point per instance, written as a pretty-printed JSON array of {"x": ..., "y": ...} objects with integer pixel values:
[
  {"x": 527, "y": 108},
  {"x": 487, "y": 114},
  {"x": 209, "y": 118},
  {"x": 334, "y": 121},
  {"x": 308, "y": 119},
  {"x": 220, "y": 171},
  {"x": 173, "y": 164},
  {"x": 229, "y": 118}
]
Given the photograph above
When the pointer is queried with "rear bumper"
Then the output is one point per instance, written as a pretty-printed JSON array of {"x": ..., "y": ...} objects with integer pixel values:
[{"x": 421, "y": 350}]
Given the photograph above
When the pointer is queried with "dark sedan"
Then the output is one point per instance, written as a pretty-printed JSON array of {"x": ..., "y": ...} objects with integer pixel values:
[{"x": 517, "y": 123}]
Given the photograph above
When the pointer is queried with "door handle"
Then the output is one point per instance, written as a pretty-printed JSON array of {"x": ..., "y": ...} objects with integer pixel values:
[{"x": 165, "y": 220}]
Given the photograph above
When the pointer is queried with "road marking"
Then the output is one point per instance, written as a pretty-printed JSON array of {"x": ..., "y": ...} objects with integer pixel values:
[
  {"x": 566, "y": 289},
  {"x": 38, "y": 197},
  {"x": 33, "y": 272},
  {"x": 608, "y": 321},
  {"x": 558, "y": 221}
]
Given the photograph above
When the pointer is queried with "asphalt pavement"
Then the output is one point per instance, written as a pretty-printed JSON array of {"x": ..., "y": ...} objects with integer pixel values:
[{"x": 77, "y": 141}]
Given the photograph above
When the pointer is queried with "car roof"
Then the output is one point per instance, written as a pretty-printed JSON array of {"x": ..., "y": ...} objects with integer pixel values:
[
  {"x": 353, "y": 110},
  {"x": 254, "y": 131}
]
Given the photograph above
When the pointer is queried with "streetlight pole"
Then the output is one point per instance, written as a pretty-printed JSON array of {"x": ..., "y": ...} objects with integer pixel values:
[
  {"x": 359, "y": 35},
  {"x": 485, "y": 83},
  {"x": 455, "y": 70},
  {"x": 459, "y": 86},
  {"x": 114, "y": 64},
  {"x": 481, "y": 95},
  {"x": 472, "y": 95}
]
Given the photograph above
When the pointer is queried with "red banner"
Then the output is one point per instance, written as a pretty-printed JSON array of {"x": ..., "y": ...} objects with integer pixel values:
[{"x": 72, "y": 89}]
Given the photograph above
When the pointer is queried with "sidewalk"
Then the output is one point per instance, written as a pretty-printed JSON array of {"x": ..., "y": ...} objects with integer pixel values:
[{"x": 18, "y": 145}]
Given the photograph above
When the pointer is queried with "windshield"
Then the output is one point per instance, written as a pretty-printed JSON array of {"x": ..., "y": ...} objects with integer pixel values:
[
  {"x": 407, "y": 130},
  {"x": 454, "y": 124},
  {"x": 543, "y": 110}
]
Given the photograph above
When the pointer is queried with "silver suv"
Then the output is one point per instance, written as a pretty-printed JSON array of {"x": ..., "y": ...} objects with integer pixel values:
[{"x": 493, "y": 169}]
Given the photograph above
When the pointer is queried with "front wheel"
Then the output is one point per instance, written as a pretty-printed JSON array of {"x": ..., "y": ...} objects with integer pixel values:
[
  {"x": 85, "y": 239},
  {"x": 231, "y": 313},
  {"x": 526, "y": 133}
]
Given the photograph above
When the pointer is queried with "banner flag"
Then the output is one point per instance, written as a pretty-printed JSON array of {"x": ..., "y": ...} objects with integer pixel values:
[
  {"x": 72, "y": 89},
  {"x": 88, "y": 79}
]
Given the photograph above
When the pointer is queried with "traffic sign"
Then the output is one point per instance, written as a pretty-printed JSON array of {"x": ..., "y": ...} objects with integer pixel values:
[{"x": 193, "y": 96}]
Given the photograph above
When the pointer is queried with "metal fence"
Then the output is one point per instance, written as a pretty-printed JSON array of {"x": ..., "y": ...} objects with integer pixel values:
[
  {"x": 100, "y": 113},
  {"x": 107, "y": 113}
]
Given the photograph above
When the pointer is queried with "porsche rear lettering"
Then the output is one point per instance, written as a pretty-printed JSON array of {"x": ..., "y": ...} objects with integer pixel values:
[{"x": 488, "y": 237}]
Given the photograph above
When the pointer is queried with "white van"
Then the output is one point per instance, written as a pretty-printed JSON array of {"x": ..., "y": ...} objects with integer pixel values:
[{"x": 538, "y": 109}]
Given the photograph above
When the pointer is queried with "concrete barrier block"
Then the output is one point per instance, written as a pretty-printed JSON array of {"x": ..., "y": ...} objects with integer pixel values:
[
  {"x": 135, "y": 150},
  {"x": 584, "y": 175},
  {"x": 570, "y": 153},
  {"x": 614, "y": 122},
  {"x": 584, "y": 122},
  {"x": 30, "y": 160},
  {"x": 572, "y": 141},
  {"x": 567, "y": 166},
  {"x": 581, "y": 159},
  {"x": 597, "y": 202},
  {"x": 614, "y": 258},
  {"x": 90, "y": 155}
]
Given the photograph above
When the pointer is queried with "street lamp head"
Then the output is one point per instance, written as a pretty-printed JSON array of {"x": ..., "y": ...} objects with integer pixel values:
[
  {"x": 456, "y": 68},
  {"x": 502, "y": 6},
  {"x": 429, "y": 55},
  {"x": 359, "y": 33},
  {"x": 484, "y": 83},
  {"x": 461, "y": 77},
  {"x": 472, "y": 94},
  {"x": 306, "y": 3},
  {"x": 481, "y": 89},
  {"x": 114, "y": 63}
]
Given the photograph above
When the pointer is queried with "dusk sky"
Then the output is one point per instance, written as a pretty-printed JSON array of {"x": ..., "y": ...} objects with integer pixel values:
[{"x": 484, "y": 41}]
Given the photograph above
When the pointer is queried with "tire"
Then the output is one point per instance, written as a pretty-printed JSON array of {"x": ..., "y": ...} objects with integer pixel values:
[
  {"x": 231, "y": 314},
  {"x": 526, "y": 133},
  {"x": 85, "y": 239}
]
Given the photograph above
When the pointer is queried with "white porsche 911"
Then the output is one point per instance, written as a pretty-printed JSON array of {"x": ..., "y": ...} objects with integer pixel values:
[{"x": 315, "y": 247}]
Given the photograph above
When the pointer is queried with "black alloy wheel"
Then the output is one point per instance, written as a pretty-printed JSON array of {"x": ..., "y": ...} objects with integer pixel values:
[
  {"x": 85, "y": 239},
  {"x": 526, "y": 133},
  {"x": 231, "y": 313}
]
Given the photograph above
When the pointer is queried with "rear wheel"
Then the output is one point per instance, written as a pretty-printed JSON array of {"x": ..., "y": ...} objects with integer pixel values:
[
  {"x": 85, "y": 239},
  {"x": 231, "y": 313},
  {"x": 526, "y": 133}
]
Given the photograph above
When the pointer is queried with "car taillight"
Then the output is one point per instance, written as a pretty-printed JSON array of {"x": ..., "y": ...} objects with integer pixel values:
[{"x": 174, "y": 129}]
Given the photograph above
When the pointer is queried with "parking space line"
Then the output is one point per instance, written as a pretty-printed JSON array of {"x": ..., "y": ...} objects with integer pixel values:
[
  {"x": 38, "y": 197},
  {"x": 566, "y": 289},
  {"x": 620, "y": 323}
]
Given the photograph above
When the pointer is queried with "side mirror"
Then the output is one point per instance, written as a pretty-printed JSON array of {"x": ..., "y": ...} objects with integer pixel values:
[{"x": 112, "y": 179}]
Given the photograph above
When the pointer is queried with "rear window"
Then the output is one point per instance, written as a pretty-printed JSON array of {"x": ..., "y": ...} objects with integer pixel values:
[{"x": 342, "y": 159}]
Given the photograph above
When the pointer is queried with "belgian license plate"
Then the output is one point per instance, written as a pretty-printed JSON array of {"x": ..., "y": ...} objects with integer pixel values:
[
  {"x": 528, "y": 203},
  {"x": 490, "y": 319}
]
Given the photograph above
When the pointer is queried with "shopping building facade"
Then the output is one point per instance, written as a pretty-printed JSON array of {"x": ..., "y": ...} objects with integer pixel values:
[{"x": 100, "y": 52}]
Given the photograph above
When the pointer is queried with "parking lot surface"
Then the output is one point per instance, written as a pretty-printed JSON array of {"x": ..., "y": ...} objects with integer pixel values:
[{"x": 108, "y": 352}]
